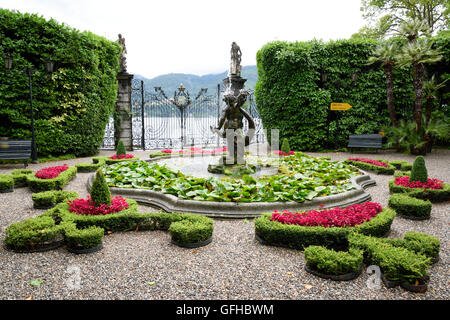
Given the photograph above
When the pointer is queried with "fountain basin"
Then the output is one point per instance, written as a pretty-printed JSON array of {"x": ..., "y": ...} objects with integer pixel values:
[{"x": 240, "y": 210}]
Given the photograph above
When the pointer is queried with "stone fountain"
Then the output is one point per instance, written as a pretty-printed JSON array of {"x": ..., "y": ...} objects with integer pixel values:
[{"x": 231, "y": 122}]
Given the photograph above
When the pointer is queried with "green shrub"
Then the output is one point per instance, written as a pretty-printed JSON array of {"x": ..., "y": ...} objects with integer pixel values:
[
  {"x": 88, "y": 167},
  {"x": 370, "y": 167},
  {"x": 100, "y": 193},
  {"x": 402, "y": 174},
  {"x": 419, "y": 171},
  {"x": 75, "y": 102},
  {"x": 102, "y": 160},
  {"x": 58, "y": 183},
  {"x": 87, "y": 238},
  {"x": 434, "y": 195},
  {"x": 21, "y": 171},
  {"x": 410, "y": 207},
  {"x": 191, "y": 229},
  {"x": 6, "y": 182},
  {"x": 285, "y": 146},
  {"x": 120, "y": 150},
  {"x": 398, "y": 163},
  {"x": 31, "y": 233},
  {"x": 422, "y": 243},
  {"x": 300, "y": 237},
  {"x": 396, "y": 263},
  {"x": 330, "y": 262},
  {"x": 406, "y": 167},
  {"x": 46, "y": 199}
]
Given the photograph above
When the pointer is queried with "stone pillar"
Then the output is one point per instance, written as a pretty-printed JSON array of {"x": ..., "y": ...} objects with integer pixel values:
[{"x": 123, "y": 129}]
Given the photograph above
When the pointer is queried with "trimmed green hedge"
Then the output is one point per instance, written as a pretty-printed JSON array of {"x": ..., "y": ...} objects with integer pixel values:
[
  {"x": 20, "y": 177},
  {"x": 31, "y": 233},
  {"x": 408, "y": 206},
  {"x": 75, "y": 102},
  {"x": 109, "y": 161},
  {"x": 85, "y": 232},
  {"x": 290, "y": 95},
  {"x": 300, "y": 237},
  {"x": 38, "y": 185},
  {"x": 192, "y": 229},
  {"x": 47, "y": 199},
  {"x": 434, "y": 195},
  {"x": 89, "y": 167},
  {"x": 330, "y": 262},
  {"x": 371, "y": 167},
  {"x": 6, "y": 183},
  {"x": 87, "y": 238},
  {"x": 402, "y": 174},
  {"x": 400, "y": 164},
  {"x": 397, "y": 263}
]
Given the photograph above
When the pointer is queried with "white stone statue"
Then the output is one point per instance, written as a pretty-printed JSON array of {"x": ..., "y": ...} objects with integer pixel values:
[{"x": 235, "y": 66}]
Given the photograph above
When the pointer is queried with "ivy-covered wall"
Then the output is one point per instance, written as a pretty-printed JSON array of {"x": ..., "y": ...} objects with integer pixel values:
[
  {"x": 292, "y": 97},
  {"x": 71, "y": 105}
]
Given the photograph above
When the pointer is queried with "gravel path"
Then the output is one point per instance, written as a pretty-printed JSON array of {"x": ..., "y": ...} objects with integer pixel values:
[{"x": 145, "y": 265}]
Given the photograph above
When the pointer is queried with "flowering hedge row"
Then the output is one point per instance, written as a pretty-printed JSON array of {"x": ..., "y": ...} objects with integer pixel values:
[
  {"x": 337, "y": 217},
  {"x": 51, "y": 172},
  {"x": 300, "y": 237},
  {"x": 86, "y": 231},
  {"x": 37, "y": 185},
  {"x": 377, "y": 166},
  {"x": 122, "y": 156},
  {"x": 370, "y": 161},
  {"x": 434, "y": 195}
]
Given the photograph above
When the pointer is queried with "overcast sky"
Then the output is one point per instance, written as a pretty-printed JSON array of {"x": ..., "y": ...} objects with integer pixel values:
[{"x": 195, "y": 36}]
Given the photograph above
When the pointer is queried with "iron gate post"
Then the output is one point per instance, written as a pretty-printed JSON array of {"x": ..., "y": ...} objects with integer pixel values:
[{"x": 142, "y": 116}]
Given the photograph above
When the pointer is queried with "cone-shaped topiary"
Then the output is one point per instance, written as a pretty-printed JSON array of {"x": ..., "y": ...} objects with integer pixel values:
[
  {"x": 285, "y": 146},
  {"x": 121, "y": 149},
  {"x": 419, "y": 171},
  {"x": 100, "y": 193}
]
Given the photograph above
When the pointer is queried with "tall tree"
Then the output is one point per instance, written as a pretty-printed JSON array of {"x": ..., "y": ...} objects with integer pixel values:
[
  {"x": 387, "y": 15},
  {"x": 417, "y": 54},
  {"x": 386, "y": 53},
  {"x": 430, "y": 87}
]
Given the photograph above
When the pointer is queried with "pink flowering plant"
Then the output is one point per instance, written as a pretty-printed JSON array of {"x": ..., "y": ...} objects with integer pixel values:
[
  {"x": 337, "y": 217},
  {"x": 434, "y": 184},
  {"x": 370, "y": 161},
  {"x": 281, "y": 153},
  {"x": 51, "y": 172},
  {"x": 121, "y": 156},
  {"x": 88, "y": 207}
]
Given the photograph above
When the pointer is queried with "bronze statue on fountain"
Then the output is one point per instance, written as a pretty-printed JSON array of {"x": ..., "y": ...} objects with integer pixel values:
[{"x": 231, "y": 123}]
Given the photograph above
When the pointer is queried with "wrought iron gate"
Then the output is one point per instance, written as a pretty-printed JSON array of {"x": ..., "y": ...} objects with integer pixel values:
[{"x": 161, "y": 122}]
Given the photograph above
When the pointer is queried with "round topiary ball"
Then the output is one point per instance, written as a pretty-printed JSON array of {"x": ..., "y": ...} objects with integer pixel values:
[
  {"x": 285, "y": 146},
  {"x": 121, "y": 151},
  {"x": 100, "y": 193},
  {"x": 419, "y": 171}
]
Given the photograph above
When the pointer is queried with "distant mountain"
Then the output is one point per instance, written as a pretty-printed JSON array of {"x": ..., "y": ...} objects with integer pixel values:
[{"x": 193, "y": 83}]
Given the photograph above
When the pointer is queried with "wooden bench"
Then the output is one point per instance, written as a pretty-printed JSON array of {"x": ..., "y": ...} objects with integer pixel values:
[
  {"x": 15, "y": 149},
  {"x": 365, "y": 141}
]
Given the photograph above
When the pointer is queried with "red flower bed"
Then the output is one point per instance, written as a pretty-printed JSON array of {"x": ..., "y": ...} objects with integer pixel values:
[
  {"x": 336, "y": 217},
  {"x": 431, "y": 183},
  {"x": 374, "y": 162},
  {"x": 195, "y": 150},
  {"x": 51, "y": 172},
  {"x": 87, "y": 207},
  {"x": 121, "y": 156},
  {"x": 281, "y": 153}
]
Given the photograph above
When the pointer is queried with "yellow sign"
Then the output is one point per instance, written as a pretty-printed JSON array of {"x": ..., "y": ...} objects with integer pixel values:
[{"x": 340, "y": 106}]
